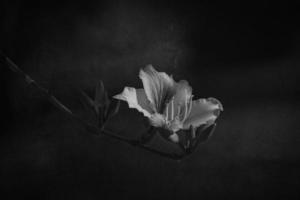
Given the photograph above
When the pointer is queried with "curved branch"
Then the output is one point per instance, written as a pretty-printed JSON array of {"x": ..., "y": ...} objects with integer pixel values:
[{"x": 91, "y": 128}]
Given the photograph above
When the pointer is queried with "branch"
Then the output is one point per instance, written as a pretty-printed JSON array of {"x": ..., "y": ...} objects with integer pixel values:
[{"x": 92, "y": 128}]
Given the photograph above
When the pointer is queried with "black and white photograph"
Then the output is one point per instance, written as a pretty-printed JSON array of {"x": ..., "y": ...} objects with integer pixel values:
[{"x": 136, "y": 99}]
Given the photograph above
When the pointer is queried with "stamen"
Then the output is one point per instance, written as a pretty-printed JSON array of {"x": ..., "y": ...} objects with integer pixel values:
[
  {"x": 186, "y": 108},
  {"x": 178, "y": 112},
  {"x": 191, "y": 104},
  {"x": 167, "y": 112},
  {"x": 172, "y": 109}
]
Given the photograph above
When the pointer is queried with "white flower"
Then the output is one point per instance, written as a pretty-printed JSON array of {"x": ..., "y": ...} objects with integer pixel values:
[{"x": 168, "y": 104}]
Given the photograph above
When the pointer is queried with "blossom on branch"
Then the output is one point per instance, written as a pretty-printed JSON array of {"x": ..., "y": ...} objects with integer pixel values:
[{"x": 169, "y": 104}]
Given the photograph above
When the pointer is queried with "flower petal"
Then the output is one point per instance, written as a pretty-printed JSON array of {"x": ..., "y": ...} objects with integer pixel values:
[
  {"x": 159, "y": 87},
  {"x": 157, "y": 120},
  {"x": 204, "y": 111},
  {"x": 183, "y": 92},
  {"x": 136, "y": 98},
  {"x": 143, "y": 100},
  {"x": 181, "y": 101}
]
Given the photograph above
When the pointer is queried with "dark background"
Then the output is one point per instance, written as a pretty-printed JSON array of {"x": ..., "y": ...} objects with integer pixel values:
[{"x": 245, "y": 54}]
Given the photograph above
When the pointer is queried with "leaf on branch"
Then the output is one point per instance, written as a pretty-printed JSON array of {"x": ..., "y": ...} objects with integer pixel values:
[
  {"x": 101, "y": 105},
  {"x": 112, "y": 109},
  {"x": 100, "y": 95},
  {"x": 203, "y": 134},
  {"x": 87, "y": 101}
]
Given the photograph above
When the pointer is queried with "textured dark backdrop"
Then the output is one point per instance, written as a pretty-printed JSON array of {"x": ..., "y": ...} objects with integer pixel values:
[{"x": 245, "y": 54}]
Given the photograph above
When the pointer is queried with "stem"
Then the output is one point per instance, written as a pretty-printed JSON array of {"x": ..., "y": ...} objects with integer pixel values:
[{"x": 92, "y": 128}]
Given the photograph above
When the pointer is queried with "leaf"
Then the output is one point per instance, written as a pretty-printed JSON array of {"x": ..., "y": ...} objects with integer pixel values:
[
  {"x": 187, "y": 139},
  {"x": 100, "y": 117},
  {"x": 99, "y": 94},
  {"x": 102, "y": 101},
  {"x": 190, "y": 137},
  {"x": 106, "y": 105},
  {"x": 87, "y": 101},
  {"x": 112, "y": 109},
  {"x": 205, "y": 133},
  {"x": 191, "y": 133}
]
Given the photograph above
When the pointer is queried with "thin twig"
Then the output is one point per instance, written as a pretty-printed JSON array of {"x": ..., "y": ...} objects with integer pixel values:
[{"x": 13, "y": 67}]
